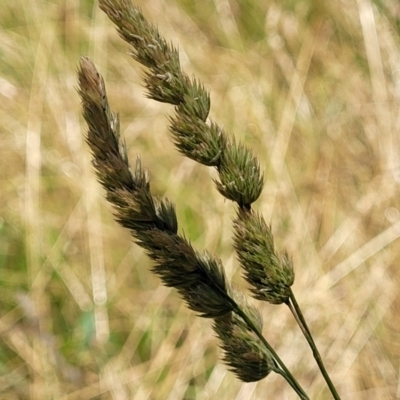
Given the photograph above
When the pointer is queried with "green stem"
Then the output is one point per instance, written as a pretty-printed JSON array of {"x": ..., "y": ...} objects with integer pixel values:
[
  {"x": 298, "y": 315},
  {"x": 283, "y": 371}
]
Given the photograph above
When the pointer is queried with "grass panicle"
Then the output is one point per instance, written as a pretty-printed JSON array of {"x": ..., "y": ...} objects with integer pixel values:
[
  {"x": 153, "y": 222},
  {"x": 199, "y": 278},
  {"x": 270, "y": 274}
]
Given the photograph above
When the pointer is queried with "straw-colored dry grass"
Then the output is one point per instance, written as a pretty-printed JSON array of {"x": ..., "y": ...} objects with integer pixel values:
[{"x": 313, "y": 88}]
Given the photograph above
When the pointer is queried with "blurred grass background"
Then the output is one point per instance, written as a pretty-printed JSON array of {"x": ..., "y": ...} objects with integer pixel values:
[{"x": 313, "y": 87}]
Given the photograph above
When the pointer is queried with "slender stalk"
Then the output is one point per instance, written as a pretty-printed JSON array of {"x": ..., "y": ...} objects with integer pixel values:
[
  {"x": 286, "y": 374},
  {"x": 298, "y": 315}
]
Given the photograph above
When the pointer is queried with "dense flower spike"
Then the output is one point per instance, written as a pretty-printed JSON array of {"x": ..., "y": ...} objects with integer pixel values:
[
  {"x": 240, "y": 177},
  {"x": 164, "y": 79},
  {"x": 199, "y": 278},
  {"x": 243, "y": 351},
  {"x": 197, "y": 140},
  {"x": 270, "y": 275}
]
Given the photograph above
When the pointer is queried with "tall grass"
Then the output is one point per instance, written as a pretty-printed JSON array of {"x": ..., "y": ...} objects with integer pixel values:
[{"x": 313, "y": 89}]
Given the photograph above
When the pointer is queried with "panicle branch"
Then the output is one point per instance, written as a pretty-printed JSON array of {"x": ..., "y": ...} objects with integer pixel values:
[
  {"x": 270, "y": 274},
  {"x": 244, "y": 352}
]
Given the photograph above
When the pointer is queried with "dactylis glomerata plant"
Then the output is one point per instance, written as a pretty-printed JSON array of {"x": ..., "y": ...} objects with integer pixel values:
[{"x": 198, "y": 276}]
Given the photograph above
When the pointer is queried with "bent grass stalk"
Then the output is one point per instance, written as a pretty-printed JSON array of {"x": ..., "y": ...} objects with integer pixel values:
[{"x": 153, "y": 222}]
